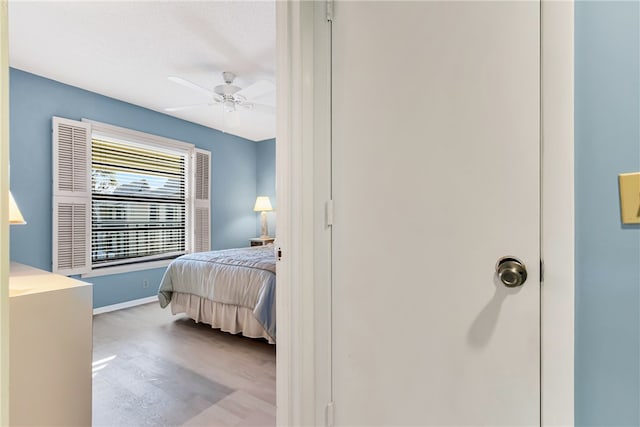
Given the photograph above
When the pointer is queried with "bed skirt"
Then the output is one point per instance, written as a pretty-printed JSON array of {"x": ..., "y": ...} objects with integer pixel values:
[{"x": 228, "y": 318}]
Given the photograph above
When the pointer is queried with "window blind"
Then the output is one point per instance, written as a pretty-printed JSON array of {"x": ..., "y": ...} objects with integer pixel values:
[{"x": 138, "y": 203}]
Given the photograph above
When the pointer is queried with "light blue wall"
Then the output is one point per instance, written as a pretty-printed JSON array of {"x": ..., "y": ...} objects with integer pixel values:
[
  {"x": 266, "y": 180},
  {"x": 607, "y": 140},
  {"x": 34, "y": 100}
]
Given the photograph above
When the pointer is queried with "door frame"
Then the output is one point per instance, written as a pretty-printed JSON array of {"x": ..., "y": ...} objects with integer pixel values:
[
  {"x": 4, "y": 215},
  {"x": 303, "y": 182}
]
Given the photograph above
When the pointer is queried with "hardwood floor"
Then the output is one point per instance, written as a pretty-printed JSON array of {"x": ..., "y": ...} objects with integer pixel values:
[{"x": 154, "y": 369}]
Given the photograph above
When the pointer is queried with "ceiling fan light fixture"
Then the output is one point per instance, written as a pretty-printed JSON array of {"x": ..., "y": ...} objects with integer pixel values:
[{"x": 228, "y": 105}]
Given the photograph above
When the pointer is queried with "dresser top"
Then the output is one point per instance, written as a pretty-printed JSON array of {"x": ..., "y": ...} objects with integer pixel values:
[{"x": 24, "y": 280}]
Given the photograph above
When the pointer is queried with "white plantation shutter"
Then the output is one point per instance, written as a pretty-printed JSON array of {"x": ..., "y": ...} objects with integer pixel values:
[
  {"x": 202, "y": 205},
  {"x": 71, "y": 196},
  {"x": 70, "y": 243}
]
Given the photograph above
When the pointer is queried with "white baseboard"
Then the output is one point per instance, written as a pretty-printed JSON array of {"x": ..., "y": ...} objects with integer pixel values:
[{"x": 126, "y": 304}]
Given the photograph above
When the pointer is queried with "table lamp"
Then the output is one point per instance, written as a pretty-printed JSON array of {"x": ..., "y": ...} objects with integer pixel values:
[
  {"x": 15, "y": 217},
  {"x": 263, "y": 205}
]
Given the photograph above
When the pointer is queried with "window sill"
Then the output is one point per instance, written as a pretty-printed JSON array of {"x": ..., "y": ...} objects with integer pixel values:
[{"x": 119, "y": 269}]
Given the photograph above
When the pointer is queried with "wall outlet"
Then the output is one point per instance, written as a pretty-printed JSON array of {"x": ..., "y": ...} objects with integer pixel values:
[{"x": 145, "y": 284}]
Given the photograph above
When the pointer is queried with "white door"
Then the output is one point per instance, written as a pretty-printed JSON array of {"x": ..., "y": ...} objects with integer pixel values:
[{"x": 436, "y": 150}]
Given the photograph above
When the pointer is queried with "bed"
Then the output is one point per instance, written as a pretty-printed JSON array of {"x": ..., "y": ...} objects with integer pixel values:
[{"x": 233, "y": 290}]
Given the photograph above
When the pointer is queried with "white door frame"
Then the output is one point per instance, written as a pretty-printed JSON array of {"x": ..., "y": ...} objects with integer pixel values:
[
  {"x": 303, "y": 187},
  {"x": 4, "y": 214}
]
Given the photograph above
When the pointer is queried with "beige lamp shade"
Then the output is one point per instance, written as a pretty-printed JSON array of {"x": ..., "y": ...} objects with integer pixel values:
[
  {"x": 15, "y": 217},
  {"x": 262, "y": 204}
]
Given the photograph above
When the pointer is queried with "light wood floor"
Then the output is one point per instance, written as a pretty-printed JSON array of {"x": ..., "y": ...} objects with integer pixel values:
[{"x": 154, "y": 369}]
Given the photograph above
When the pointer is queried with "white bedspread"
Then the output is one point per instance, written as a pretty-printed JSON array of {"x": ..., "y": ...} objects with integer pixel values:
[{"x": 244, "y": 277}]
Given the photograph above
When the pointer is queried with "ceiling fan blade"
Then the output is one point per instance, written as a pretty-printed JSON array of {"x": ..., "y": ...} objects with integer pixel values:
[
  {"x": 185, "y": 107},
  {"x": 187, "y": 83},
  {"x": 256, "y": 90}
]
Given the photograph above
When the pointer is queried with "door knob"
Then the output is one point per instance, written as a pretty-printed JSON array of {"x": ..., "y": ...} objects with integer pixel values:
[{"x": 511, "y": 271}]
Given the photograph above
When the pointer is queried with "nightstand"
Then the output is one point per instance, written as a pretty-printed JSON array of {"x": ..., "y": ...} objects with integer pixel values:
[{"x": 262, "y": 241}]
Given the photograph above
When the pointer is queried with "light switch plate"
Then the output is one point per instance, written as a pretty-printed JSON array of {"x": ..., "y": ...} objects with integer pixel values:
[{"x": 630, "y": 197}]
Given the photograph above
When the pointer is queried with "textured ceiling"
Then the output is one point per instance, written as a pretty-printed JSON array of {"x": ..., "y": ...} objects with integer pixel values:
[{"x": 126, "y": 50}]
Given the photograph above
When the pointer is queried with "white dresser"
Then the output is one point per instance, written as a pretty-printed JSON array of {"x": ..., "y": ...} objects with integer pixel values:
[{"x": 50, "y": 348}]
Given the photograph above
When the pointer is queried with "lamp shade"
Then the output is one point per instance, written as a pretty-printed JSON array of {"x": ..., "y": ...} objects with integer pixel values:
[
  {"x": 262, "y": 204},
  {"x": 15, "y": 217}
]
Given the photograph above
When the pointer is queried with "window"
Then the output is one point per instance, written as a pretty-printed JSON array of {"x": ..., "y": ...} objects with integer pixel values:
[
  {"x": 125, "y": 200},
  {"x": 138, "y": 203}
]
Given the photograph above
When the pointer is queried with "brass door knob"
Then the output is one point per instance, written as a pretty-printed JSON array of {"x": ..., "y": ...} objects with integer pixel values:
[{"x": 511, "y": 271}]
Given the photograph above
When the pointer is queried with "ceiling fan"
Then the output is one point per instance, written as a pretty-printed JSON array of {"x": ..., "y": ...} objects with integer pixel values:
[{"x": 232, "y": 98}]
